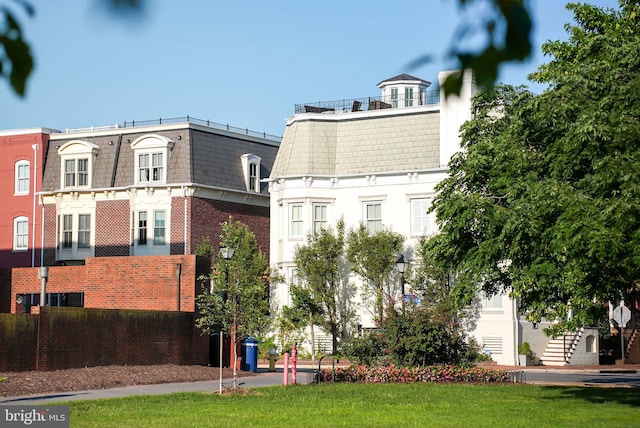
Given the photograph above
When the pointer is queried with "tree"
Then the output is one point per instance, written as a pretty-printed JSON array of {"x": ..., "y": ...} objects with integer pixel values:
[
  {"x": 318, "y": 269},
  {"x": 544, "y": 200},
  {"x": 234, "y": 298},
  {"x": 304, "y": 312},
  {"x": 507, "y": 29},
  {"x": 373, "y": 257},
  {"x": 438, "y": 287}
]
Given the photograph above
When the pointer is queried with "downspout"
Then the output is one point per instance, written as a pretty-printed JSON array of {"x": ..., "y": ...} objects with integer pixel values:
[
  {"x": 35, "y": 148},
  {"x": 42, "y": 232},
  {"x": 184, "y": 194}
]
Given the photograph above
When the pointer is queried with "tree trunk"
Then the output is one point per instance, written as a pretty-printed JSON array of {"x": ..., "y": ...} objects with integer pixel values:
[{"x": 313, "y": 338}]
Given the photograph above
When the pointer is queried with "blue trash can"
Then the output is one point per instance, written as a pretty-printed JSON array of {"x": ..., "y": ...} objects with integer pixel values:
[{"x": 250, "y": 354}]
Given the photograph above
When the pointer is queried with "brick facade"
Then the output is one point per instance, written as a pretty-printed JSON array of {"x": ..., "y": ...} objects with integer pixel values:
[
  {"x": 207, "y": 214},
  {"x": 147, "y": 282},
  {"x": 112, "y": 228}
]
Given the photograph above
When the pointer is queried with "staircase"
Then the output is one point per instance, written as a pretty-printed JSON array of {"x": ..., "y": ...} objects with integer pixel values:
[
  {"x": 632, "y": 351},
  {"x": 560, "y": 350}
]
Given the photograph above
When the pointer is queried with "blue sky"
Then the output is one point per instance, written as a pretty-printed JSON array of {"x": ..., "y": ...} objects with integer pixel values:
[{"x": 243, "y": 63}]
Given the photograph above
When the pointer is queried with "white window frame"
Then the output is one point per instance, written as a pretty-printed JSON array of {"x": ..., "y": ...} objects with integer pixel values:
[
  {"x": 296, "y": 220},
  {"x": 22, "y": 182},
  {"x": 420, "y": 219},
  {"x": 21, "y": 233},
  {"x": 493, "y": 303},
  {"x": 319, "y": 222},
  {"x": 154, "y": 150},
  {"x": 84, "y": 230},
  {"x": 142, "y": 230},
  {"x": 408, "y": 97},
  {"x": 253, "y": 177},
  {"x": 394, "y": 97},
  {"x": 159, "y": 238},
  {"x": 251, "y": 169},
  {"x": 80, "y": 155},
  {"x": 373, "y": 224},
  {"x": 66, "y": 232}
]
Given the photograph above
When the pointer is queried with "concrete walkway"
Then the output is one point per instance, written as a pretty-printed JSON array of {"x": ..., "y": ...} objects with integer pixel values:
[{"x": 261, "y": 378}]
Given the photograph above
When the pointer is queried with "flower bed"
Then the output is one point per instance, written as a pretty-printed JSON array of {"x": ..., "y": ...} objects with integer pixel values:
[{"x": 382, "y": 374}]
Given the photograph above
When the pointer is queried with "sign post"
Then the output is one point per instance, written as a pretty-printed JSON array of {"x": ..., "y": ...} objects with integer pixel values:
[{"x": 622, "y": 315}]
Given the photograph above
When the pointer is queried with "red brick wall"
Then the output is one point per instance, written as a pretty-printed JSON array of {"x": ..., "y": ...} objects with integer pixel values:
[
  {"x": 113, "y": 228},
  {"x": 207, "y": 214},
  {"x": 177, "y": 226},
  {"x": 145, "y": 282},
  {"x": 50, "y": 241}
]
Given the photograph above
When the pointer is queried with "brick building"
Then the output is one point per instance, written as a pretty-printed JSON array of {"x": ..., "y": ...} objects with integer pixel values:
[
  {"x": 20, "y": 180},
  {"x": 155, "y": 188}
]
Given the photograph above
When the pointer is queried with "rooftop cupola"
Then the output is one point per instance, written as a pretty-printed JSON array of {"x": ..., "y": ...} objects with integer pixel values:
[{"x": 404, "y": 91}]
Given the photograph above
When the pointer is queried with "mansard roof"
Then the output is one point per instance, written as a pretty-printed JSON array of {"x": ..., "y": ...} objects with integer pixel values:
[{"x": 198, "y": 155}]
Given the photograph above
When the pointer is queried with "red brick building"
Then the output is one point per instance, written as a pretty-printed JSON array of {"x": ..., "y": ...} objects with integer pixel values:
[
  {"x": 21, "y": 169},
  {"x": 130, "y": 191}
]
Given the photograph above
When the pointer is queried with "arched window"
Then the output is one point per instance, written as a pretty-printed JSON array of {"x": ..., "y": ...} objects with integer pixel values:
[
  {"x": 251, "y": 168},
  {"x": 77, "y": 163},
  {"x": 20, "y": 233},
  {"x": 22, "y": 177},
  {"x": 591, "y": 344},
  {"x": 151, "y": 158}
]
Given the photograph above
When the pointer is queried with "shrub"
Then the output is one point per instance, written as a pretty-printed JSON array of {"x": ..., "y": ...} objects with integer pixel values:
[
  {"x": 391, "y": 373},
  {"x": 420, "y": 337},
  {"x": 369, "y": 349}
]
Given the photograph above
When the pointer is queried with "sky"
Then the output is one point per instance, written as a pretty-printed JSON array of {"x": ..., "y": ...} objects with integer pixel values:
[{"x": 243, "y": 63}]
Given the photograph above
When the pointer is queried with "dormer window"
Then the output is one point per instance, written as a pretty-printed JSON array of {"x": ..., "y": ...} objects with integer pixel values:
[
  {"x": 77, "y": 163},
  {"x": 251, "y": 169},
  {"x": 150, "y": 167},
  {"x": 151, "y": 156}
]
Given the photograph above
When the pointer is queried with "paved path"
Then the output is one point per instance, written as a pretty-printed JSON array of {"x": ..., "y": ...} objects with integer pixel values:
[{"x": 262, "y": 378}]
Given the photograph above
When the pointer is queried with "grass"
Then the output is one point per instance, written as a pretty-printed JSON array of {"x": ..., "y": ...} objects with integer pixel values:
[{"x": 372, "y": 405}]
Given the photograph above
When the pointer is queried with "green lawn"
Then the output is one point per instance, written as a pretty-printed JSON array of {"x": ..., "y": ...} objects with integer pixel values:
[{"x": 372, "y": 405}]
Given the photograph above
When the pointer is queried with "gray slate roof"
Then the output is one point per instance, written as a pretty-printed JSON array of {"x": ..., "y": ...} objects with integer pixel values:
[
  {"x": 405, "y": 77},
  {"x": 200, "y": 155}
]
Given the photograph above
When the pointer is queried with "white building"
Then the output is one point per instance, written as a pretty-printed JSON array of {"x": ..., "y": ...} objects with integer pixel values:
[{"x": 376, "y": 161}]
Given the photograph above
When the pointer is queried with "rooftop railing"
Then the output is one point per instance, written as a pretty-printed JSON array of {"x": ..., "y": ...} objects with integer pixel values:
[
  {"x": 172, "y": 120},
  {"x": 370, "y": 103}
]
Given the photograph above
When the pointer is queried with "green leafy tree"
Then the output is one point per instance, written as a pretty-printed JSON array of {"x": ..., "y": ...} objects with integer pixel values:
[
  {"x": 544, "y": 200},
  {"x": 304, "y": 312},
  {"x": 234, "y": 297},
  {"x": 373, "y": 257},
  {"x": 318, "y": 269},
  {"x": 438, "y": 286}
]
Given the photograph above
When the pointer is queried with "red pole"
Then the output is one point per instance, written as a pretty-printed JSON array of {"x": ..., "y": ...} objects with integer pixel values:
[
  {"x": 285, "y": 380},
  {"x": 294, "y": 354}
]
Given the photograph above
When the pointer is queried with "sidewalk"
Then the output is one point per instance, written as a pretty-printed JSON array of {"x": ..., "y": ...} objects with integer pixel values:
[{"x": 263, "y": 378}]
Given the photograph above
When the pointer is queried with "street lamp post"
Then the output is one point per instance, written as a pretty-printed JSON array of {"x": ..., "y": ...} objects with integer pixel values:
[
  {"x": 401, "y": 265},
  {"x": 227, "y": 253}
]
